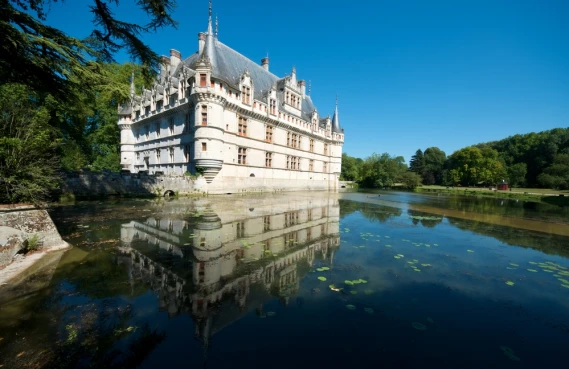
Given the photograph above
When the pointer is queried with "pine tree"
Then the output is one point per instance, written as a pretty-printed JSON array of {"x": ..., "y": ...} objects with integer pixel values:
[{"x": 417, "y": 163}]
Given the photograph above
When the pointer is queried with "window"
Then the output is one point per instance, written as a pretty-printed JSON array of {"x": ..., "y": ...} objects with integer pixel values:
[
  {"x": 311, "y": 165},
  {"x": 159, "y": 105},
  {"x": 171, "y": 126},
  {"x": 267, "y": 223},
  {"x": 204, "y": 146},
  {"x": 288, "y": 97},
  {"x": 324, "y": 167},
  {"x": 288, "y": 138},
  {"x": 204, "y": 115},
  {"x": 137, "y": 114},
  {"x": 147, "y": 134},
  {"x": 294, "y": 163},
  {"x": 294, "y": 140},
  {"x": 309, "y": 215},
  {"x": 269, "y": 133},
  {"x": 171, "y": 155},
  {"x": 246, "y": 95},
  {"x": 211, "y": 83},
  {"x": 325, "y": 149},
  {"x": 242, "y": 155},
  {"x": 203, "y": 80},
  {"x": 240, "y": 228},
  {"x": 311, "y": 145},
  {"x": 309, "y": 234},
  {"x": 273, "y": 107},
  {"x": 187, "y": 153},
  {"x": 187, "y": 123},
  {"x": 269, "y": 160},
  {"x": 291, "y": 218},
  {"x": 287, "y": 162},
  {"x": 147, "y": 110},
  {"x": 157, "y": 130},
  {"x": 158, "y": 156},
  {"x": 242, "y": 130},
  {"x": 137, "y": 156}
]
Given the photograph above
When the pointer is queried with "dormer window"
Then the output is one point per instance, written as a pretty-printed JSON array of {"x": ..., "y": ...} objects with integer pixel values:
[
  {"x": 246, "y": 95},
  {"x": 203, "y": 80},
  {"x": 273, "y": 107}
]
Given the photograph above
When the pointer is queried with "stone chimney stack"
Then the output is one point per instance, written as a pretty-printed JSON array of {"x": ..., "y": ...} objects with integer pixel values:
[
  {"x": 201, "y": 42},
  {"x": 302, "y": 85},
  {"x": 175, "y": 58},
  {"x": 164, "y": 64},
  {"x": 265, "y": 63}
]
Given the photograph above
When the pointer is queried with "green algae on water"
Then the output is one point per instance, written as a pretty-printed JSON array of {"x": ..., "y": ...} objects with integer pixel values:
[{"x": 419, "y": 326}]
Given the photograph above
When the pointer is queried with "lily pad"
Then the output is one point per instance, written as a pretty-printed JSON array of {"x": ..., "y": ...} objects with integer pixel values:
[
  {"x": 533, "y": 262},
  {"x": 351, "y": 307},
  {"x": 565, "y": 285},
  {"x": 354, "y": 292},
  {"x": 325, "y": 268},
  {"x": 510, "y": 283},
  {"x": 532, "y": 270},
  {"x": 323, "y": 279},
  {"x": 470, "y": 250},
  {"x": 271, "y": 313},
  {"x": 349, "y": 283},
  {"x": 430, "y": 320},
  {"x": 369, "y": 310},
  {"x": 320, "y": 269},
  {"x": 419, "y": 326},
  {"x": 514, "y": 265}
]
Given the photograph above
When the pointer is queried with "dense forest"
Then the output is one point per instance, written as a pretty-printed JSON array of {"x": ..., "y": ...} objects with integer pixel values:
[{"x": 529, "y": 160}]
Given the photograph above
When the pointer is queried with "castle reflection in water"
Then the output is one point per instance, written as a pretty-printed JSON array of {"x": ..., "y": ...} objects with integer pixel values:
[{"x": 218, "y": 262}]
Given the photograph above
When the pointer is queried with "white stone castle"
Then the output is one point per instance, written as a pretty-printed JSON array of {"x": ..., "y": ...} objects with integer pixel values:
[{"x": 219, "y": 114}]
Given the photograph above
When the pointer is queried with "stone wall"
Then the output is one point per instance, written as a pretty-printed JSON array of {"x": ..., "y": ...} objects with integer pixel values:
[
  {"x": 19, "y": 224},
  {"x": 94, "y": 185}
]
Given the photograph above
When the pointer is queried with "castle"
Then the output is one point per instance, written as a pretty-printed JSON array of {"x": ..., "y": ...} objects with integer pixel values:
[{"x": 221, "y": 115}]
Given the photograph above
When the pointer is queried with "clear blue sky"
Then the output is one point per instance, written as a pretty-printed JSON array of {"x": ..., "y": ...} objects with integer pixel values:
[{"x": 409, "y": 74}]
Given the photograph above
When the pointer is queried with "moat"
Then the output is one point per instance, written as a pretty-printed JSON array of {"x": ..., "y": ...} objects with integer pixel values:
[{"x": 349, "y": 280}]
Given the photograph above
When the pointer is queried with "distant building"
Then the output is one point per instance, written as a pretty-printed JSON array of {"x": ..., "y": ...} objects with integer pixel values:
[{"x": 222, "y": 115}]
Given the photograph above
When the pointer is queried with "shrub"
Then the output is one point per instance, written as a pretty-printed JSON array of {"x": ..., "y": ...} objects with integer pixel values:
[{"x": 33, "y": 243}]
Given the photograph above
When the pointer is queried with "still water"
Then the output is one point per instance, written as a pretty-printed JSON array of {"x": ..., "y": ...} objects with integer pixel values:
[{"x": 296, "y": 280}]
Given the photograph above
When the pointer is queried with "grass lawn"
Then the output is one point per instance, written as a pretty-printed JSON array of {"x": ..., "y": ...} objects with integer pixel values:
[{"x": 539, "y": 191}]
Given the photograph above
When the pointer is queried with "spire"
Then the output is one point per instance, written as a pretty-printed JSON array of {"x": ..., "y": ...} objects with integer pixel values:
[
  {"x": 309, "y": 87},
  {"x": 336, "y": 120},
  {"x": 209, "y": 28}
]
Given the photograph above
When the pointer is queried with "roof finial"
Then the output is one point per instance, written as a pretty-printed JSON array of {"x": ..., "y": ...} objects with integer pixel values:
[
  {"x": 216, "y": 26},
  {"x": 132, "y": 83},
  {"x": 309, "y": 86},
  {"x": 209, "y": 30}
]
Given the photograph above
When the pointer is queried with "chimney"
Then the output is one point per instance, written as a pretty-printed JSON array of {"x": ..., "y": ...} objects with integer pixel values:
[
  {"x": 201, "y": 42},
  {"x": 265, "y": 63},
  {"x": 164, "y": 64},
  {"x": 302, "y": 84},
  {"x": 175, "y": 58}
]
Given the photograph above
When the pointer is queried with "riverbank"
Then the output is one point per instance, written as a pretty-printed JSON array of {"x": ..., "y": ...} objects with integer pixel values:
[
  {"x": 27, "y": 237},
  {"x": 560, "y": 198}
]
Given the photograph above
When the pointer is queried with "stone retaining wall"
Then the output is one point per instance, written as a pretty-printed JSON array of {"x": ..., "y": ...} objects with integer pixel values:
[{"x": 19, "y": 224}]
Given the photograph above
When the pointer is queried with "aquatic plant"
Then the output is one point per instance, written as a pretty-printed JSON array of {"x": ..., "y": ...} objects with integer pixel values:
[
  {"x": 369, "y": 310},
  {"x": 430, "y": 320},
  {"x": 532, "y": 270},
  {"x": 509, "y": 353},
  {"x": 510, "y": 283},
  {"x": 323, "y": 279},
  {"x": 470, "y": 250},
  {"x": 351, "y": 307},
  {"x": 419, "y": 326}
]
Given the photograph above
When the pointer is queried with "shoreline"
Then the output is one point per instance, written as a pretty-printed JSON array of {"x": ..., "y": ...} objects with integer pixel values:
[{"x": 23, "y": 267}]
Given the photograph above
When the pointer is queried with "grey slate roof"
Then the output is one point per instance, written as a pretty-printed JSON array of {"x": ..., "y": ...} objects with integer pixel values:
[{"x": 228, "y": 65}]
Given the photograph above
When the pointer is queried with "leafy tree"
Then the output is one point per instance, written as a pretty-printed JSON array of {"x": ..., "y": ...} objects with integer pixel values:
[
  {"x": 52, "y": 62},
  {"x": 410, "y": 180},
  {"x": 28, "y": 147},
  {"x": 557, "y": 174},
  {"x": 350, "y": 168},
  {"x": 417, "y": 163},
  {"x": 472, "y": 166},
  {"x": 435, "y": 160},
  {"x": 382, "y": 170},
  {"x": 517, "y": 174}
]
